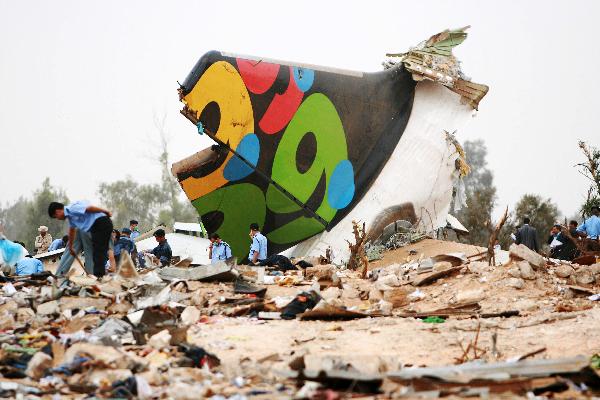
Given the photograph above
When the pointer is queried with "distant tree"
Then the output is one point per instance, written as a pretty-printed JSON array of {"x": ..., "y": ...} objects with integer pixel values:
[
  {"x": 38, "y": 211},
  {"x": 149, "y": 204},
  {"x": 127, "y": 200},
  {"x": 591, "y": 170},
  {"x": 22, "y": 218},
  {"x": 480, "y": 195},
  {"x": 13, "y": 217},
  {"x": 175, "y": 208},
  {"x": 542, "y": 213}
]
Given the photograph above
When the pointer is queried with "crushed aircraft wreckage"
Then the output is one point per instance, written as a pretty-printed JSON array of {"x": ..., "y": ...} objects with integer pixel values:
[
  {"x": 438, "y": 323},
  {"x": 430, "y": 319},
  {"x": 304, "y": 150}
]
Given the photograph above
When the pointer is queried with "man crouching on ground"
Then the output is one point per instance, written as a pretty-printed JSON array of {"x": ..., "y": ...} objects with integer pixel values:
[
  {"x": 88, "y": 218},
  {"x": 162, "y": 252}
]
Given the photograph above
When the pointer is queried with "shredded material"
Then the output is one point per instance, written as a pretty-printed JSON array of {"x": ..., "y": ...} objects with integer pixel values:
[{"x": 433, "y": 59}]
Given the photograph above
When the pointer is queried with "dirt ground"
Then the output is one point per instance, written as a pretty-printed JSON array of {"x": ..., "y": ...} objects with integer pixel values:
[
  {"x": 425, "y": 248},
  {"x": 388, "y": 343},
  {"x": 165, "y": 326}
]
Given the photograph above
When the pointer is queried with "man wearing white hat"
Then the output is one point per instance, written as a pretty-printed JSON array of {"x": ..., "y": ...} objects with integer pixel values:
[{"x": 43, "y": 240}]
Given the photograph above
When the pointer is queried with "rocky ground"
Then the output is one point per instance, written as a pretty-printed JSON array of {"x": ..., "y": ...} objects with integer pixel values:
[{"x": 137, "y": 335}]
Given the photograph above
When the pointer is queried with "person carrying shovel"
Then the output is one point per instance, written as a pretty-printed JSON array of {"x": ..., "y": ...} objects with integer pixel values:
[{"x": 90, "y": 219}]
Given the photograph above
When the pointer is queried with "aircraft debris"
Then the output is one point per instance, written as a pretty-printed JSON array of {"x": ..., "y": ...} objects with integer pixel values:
[
  {"x": 258, "y": 110},
  {"x": 193, "y": 330},
  {"x": 159, "y": 328}
]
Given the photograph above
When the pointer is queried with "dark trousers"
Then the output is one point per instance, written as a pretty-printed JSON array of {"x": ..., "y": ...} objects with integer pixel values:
[{"x": 101, "y": 231}]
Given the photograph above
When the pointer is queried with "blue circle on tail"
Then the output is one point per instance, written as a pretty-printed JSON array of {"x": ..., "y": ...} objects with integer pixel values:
[
  {"x": 304, "y": 78},
  {"x": 249, "y": 149},
  {"x": 341, "y": 185}
]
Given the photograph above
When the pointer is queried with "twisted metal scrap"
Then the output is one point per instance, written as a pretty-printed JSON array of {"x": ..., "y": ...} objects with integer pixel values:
[
  {"x": 462, "y": 166},
  {"x": 433, "y": 60}
]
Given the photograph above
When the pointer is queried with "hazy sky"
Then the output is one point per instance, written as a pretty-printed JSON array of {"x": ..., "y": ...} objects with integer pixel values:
[{"x": 80, "y": 81}]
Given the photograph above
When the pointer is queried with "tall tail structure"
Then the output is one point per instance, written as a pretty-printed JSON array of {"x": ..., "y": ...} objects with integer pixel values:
[{"x": 303, "y": 150}]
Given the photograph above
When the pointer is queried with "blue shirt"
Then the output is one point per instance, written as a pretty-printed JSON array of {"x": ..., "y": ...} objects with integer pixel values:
[
  {"x": 220, "y": 252},
  {"x": 163, "y": 253},
  {"x": 79, "y": 218},
  {"x": 134, "y": 234},
  {"x": 28, "y": 266},
  {"x": 259, "y": 244},
  {"x": 591, "y": 226},
  {"x": 57, "y": 244},
  {"x": 124, "y": 244}
]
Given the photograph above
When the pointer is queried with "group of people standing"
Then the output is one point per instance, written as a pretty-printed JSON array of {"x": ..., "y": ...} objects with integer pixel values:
[
  {"x": 91, "y": 229},
  {"x": 565, "y": 244},
  {"x": 221, "y": 251}
]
